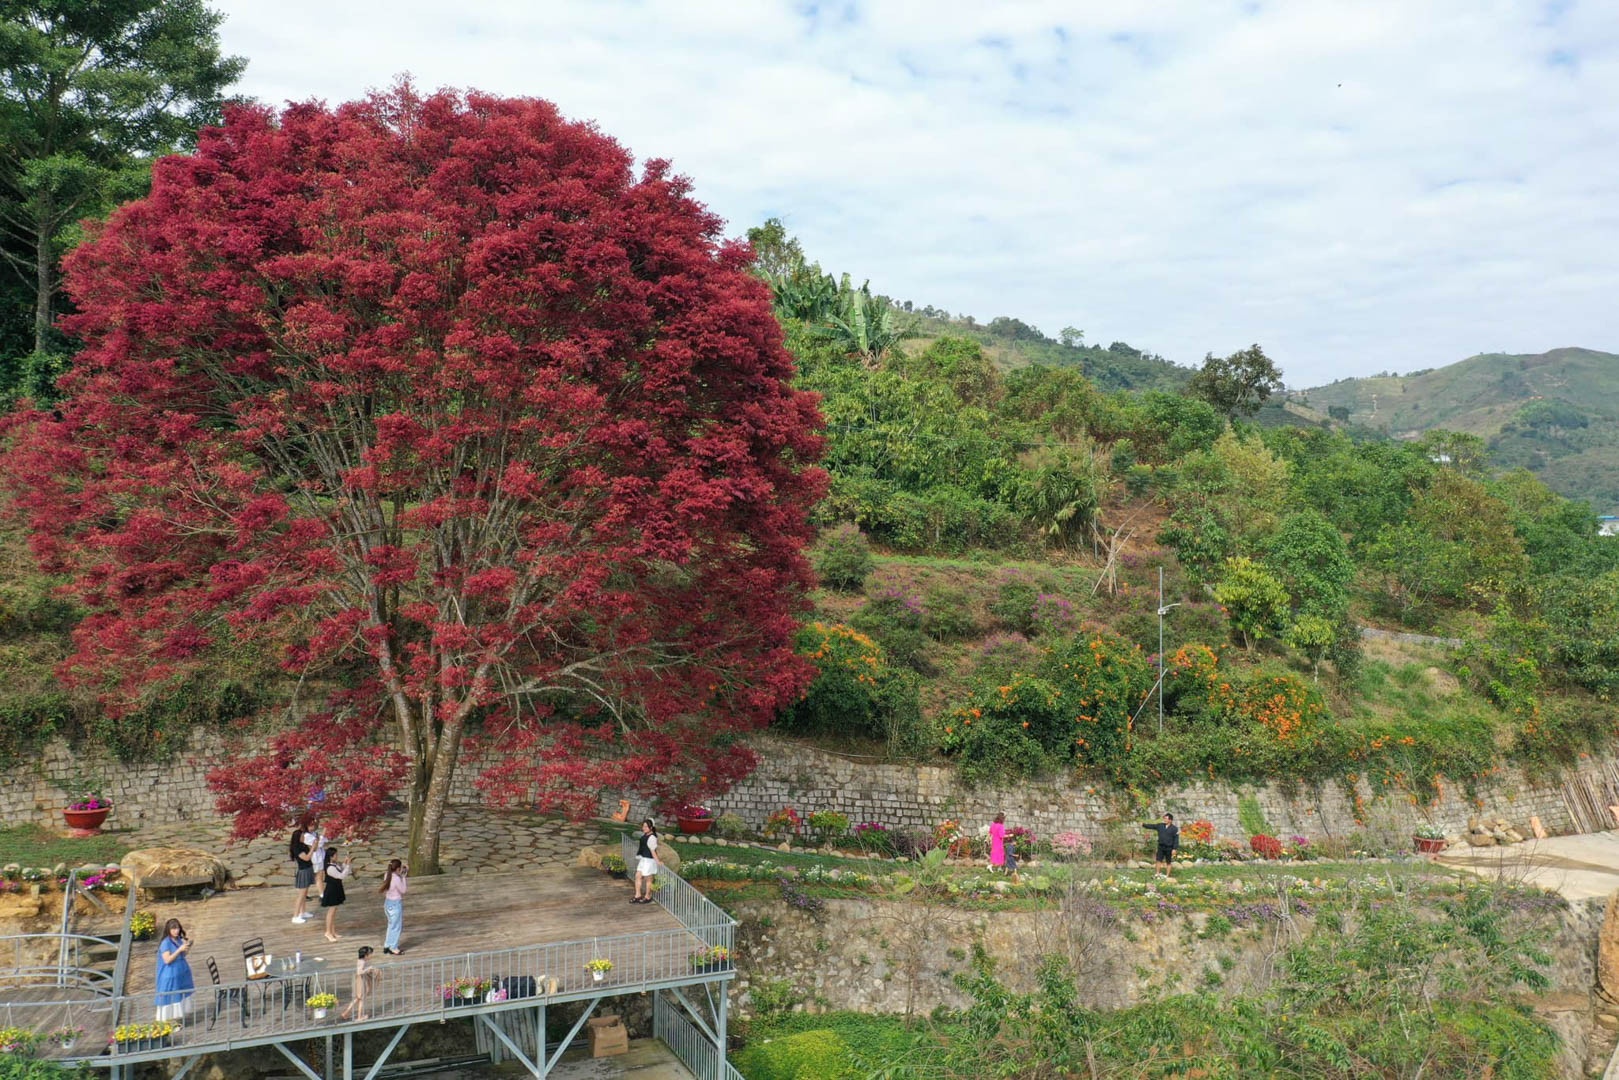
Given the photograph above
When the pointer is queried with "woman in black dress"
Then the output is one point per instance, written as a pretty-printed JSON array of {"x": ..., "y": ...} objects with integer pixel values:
[{"x": 331, "y": 897}]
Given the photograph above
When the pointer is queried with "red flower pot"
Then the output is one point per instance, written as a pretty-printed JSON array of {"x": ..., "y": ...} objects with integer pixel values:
[
  {"x": 695, "y": 824},
  {"x": 86, "y": 819},
  {"x": 1429, "y": 845}
]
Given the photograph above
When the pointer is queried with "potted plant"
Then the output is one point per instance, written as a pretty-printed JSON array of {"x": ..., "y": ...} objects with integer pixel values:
[
  {"x": 465, "y": 990},
  {"x": 87, "y": 811},
  {"x": 694, "y": 819},
  {"x": 16, "y": 1040},
  {"x": 703, "y": 961},
  {"x": 320, "y": 1003},
  {"x": 1429, "y": 839},
  {"x": 142, "y": 925},
  {"x": 614, "y": 865},
  {"x": 64, "y": 1038},
  {"x": 598, "y": 967}
]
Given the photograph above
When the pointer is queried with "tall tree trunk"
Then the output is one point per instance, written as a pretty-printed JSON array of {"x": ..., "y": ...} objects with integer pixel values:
[
  {"x": 430, "y": 785},
  {"x": 43, "y": 275}
]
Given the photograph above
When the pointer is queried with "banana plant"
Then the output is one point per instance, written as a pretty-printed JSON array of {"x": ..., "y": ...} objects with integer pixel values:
[{"x": 864, "y": 325}]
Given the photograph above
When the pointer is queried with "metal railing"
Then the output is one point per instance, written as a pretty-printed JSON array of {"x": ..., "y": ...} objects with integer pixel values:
[
  {"x": 276, "y": 1006},
  {"x": 71, "y": 970},
  {"x": 675, "y": 895},
  {"x": 689, "y": 1044}
]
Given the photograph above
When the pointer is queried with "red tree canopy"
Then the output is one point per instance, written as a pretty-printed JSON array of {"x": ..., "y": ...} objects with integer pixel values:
[{"x": 438, "y": 397}]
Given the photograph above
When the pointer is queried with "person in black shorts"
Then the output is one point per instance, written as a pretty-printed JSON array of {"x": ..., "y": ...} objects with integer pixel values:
[{"x": 1169, "y": 838}]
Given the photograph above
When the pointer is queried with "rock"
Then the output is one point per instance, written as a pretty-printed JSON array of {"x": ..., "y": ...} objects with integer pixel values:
[
  {"x": 251, "y": 883},
  {"x": 175, "y": 868},
  {"x": 1608, "y": 1020},
  {"x": 1514, "y": 836},
  {"x": 1481, "y": 839},
  {"x": 1537, "y": 828},
  {"x": 591, "y": 857},
  {"x": 785, "y": 845},
  {"x": 1608, "y": 952},
  {"x": 671, "y": 858}
]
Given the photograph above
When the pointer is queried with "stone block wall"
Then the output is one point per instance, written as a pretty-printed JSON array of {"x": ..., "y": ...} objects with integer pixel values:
[
  {"x": 791, "y": 774},
  {"x": 918, "y": 797}
]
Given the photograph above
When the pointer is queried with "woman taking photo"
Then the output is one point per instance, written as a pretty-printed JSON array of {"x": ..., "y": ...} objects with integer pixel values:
[{"x": 394, "y": 882}]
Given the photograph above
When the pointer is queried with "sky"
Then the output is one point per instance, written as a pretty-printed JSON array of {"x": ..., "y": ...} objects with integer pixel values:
[{"x": 1357, "y": 185}]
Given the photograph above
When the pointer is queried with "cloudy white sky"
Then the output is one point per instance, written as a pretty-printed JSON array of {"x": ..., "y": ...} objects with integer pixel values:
[{"x": 1358, "y": 185}]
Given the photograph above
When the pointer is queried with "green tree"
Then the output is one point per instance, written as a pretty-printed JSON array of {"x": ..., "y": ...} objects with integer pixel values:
[
  {"x": 1309, "y": 557},
  {"x": 1255, "y": 602},
  {"x": 90, "y": 94},
  {"x": 1239, "y": 384}
]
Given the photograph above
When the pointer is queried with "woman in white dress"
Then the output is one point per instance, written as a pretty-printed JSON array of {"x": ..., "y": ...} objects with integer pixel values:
[{"x": 647, "y": 861}]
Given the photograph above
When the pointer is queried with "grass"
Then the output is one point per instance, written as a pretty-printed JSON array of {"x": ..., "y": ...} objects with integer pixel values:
[{"x": 35, "y": 845}]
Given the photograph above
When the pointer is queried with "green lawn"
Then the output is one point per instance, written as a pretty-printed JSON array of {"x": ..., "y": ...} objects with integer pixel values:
[{"x": 35, "y": 845}]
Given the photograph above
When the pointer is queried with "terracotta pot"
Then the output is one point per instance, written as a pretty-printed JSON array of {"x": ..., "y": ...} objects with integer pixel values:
[
  {"x": 1430, "y": 845},
  {"x": 695, "y": 824},
  {"x": 85, "y": 819}
]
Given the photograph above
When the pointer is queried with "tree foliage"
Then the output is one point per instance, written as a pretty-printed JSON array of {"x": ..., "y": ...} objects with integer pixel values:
[
  {"x": 1237, "y": 385},
  {"x": 90, "y": 93},
  {"x": 437, "y": 395}
]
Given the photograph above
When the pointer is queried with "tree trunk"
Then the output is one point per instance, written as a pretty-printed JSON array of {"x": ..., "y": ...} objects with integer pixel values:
[
  {"x": 422, "y": 857},
  {"x": 430, "y": 786},
  {"x": 43, "y": 285}
]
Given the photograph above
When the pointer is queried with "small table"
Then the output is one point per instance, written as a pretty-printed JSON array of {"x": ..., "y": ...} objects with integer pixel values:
[{"x": 297, "y": 983}]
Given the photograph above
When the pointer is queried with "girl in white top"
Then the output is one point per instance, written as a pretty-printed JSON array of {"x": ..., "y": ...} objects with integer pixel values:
[{"x": 647, "y": 861}]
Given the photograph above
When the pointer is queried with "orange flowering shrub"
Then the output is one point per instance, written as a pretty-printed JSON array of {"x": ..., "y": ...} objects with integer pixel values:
[
  {"x": 1104, "y": 680},
  {"x": 855, "y": 691}
]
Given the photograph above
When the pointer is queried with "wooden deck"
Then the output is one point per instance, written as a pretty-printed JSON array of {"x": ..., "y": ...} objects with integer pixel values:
[{"x": 446, "y": 916}]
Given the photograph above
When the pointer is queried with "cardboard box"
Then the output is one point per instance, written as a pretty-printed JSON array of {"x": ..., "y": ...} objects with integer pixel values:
[{"x": 608, "y": 1036}]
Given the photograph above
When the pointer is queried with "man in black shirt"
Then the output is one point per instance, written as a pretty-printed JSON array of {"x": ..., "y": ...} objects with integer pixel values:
[{"x": 1169, "y": 838}]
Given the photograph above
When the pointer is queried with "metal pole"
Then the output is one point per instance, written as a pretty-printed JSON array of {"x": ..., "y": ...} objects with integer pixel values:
[
  {"x": 328, "y": 1073},
  {"x": 719, "y": 1029},
  {"x": 1160, "y": 650}
]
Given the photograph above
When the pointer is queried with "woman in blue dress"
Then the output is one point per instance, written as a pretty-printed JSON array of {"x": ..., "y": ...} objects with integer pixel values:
[{"x": 174, "y": 983}]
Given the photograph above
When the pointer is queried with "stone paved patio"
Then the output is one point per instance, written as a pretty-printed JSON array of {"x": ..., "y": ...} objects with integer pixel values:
[{"x": 474, "y": 839}]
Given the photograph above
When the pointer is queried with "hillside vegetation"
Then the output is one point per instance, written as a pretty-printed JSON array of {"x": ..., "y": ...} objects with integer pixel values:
[
  {"x": 991, "y": 546},
  {"x": 1555, "y": 413}
]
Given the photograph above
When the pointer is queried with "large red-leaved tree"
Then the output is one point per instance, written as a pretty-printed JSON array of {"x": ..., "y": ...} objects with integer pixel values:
[{"x": 443, "y": 401}]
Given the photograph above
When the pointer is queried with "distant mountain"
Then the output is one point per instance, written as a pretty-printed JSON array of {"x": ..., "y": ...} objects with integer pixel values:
[{"x": 1555, "y": 413}]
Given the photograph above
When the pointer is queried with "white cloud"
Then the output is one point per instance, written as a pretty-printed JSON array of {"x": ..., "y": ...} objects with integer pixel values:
[{"x": 1356, "y": 186}]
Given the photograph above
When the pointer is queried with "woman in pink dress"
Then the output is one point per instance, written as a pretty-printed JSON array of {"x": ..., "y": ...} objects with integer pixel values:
[{"x": 998, "y": 857}]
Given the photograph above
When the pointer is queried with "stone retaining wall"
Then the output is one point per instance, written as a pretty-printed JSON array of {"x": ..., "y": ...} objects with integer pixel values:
[
  {"x": 791, "y": 774},
  {"x": 918, "y": 797}
]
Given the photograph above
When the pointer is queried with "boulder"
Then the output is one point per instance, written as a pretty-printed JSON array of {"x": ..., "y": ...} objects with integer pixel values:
[
  {"x": 1608, "y": 952},
  {"x": 175, "y": 869},
  {"x": 1514, "y": 836},
  {"x": 1481, "y": 839},
  {"x": 591, "y": 857}
]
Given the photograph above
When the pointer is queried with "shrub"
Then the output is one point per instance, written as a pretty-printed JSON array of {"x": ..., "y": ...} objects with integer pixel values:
[
  {"x": 893, "y": 617},
  {"x": 843, "y": 558},
  {"x": 947, "y": 614},
  {"x": 1103, "y": 680},
  {"x": 828, "y": 825},
  {"x": 1013, "y": 605},
  {"x": 1251, "y": 817},
  {"x": 1008, "y": 731},
  {"x": 784, "y": 822},
  {"x": 1198, "y": 832},
  {"x": 876, "y": 838},
  {"x": 1266, "y": 847},
  {"x": 1000, "y": 656},
  {"x": 1054, "y": 616},
  {"x": 1071, "y": 845},
  {"x": 730, "y": 825},
  {"x": 808, "y": 1055},
  {"x": 855, "y": 692}
]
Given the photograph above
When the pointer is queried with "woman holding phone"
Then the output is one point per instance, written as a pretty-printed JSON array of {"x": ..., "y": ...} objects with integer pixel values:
[{"x": 174, "y": 983}]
